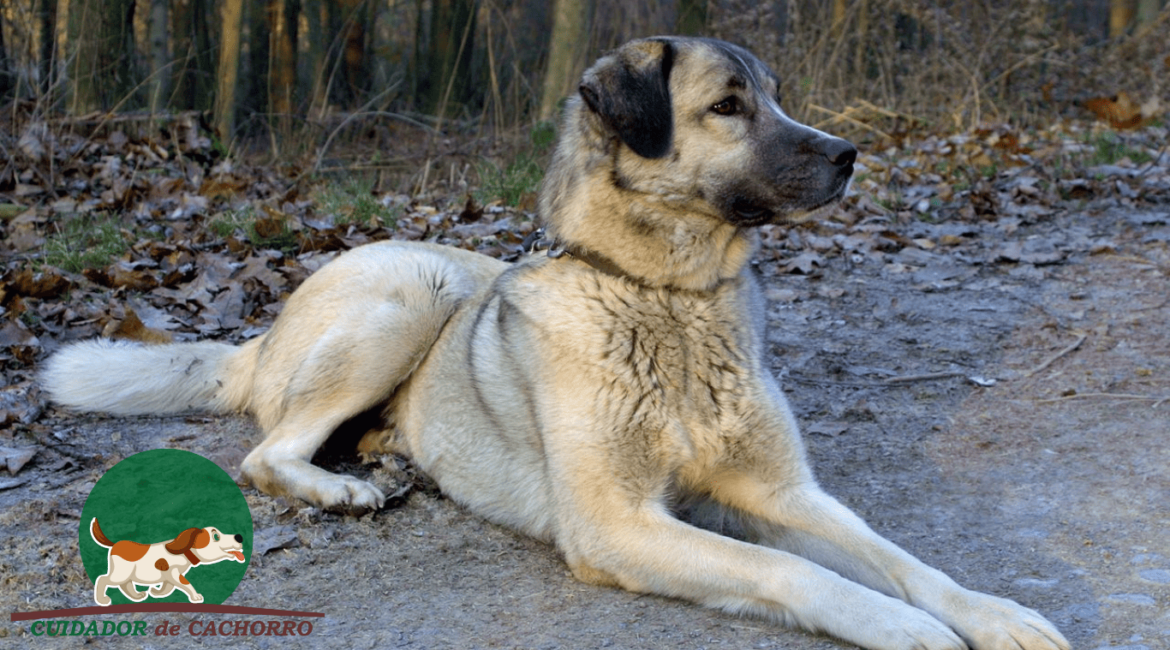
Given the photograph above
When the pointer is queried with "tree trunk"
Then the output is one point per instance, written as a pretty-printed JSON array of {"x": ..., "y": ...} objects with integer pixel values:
[
  {"x": 356, "y": 14},
  {"x": 101, "y": 37},
  {"x": 566, "y": 53},
  {"x": 1121, "y": 14},
  {"x": 228, "y": 69},
  {"x": 255, "y": 96},
  {"x": 319, "y": 20},
  {"x": 840, "y": 12},
  {"x": 283, "y": 16},
  {"x": 46, "y": 67},
  {"x": 448, "y": 58},
  {"x": 194, "y": 70},
  {"x": 5, "y": 81},
  {"x": 1147, "y": 11},
  {"x": 692, "y": 17},
  {"x": 159, "y": 83},
  {"x": 862, "y": 34}
]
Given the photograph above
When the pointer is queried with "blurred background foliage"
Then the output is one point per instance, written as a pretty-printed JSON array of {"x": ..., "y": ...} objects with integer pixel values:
[{"x": 396, "y": 85}]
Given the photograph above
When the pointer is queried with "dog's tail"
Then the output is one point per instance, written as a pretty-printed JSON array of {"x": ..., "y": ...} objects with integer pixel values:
[
  {"x": 123, "y": 378},
  {"x": 98, "y": 535}
]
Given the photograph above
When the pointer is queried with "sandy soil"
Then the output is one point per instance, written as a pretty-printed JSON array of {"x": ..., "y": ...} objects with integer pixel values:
[{"x": 1050, "y": 487}]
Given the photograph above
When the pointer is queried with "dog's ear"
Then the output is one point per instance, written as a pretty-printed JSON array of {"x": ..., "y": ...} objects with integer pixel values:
[
  {"x": 630, "y": 91},
  {"x": 184, "y": 541}
]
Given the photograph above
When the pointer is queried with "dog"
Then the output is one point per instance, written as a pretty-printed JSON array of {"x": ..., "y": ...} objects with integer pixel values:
[
  {"x": 164, "y": 564},
  {"x": 588, "y": 393}
]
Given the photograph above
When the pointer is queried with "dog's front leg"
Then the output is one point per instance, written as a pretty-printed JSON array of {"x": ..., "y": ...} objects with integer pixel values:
[
  {"x": 806, "y": 521},
  {"x": 611, "y": 534}
]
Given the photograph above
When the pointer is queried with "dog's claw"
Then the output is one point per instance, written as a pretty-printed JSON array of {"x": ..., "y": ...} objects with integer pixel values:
[{"x": 350, "y": 496}]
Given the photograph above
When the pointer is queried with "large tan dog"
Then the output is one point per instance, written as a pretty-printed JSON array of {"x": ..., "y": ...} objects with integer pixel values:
[{"x": 581, "y": 395}]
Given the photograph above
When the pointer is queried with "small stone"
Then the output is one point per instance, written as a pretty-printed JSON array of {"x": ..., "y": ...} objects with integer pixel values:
[
  {"x": 1160, "y": 576},
  {"x": 1131, "y": 599}
]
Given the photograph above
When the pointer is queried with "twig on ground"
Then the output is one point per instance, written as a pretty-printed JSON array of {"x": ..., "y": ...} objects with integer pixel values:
[
  {"x": 885, "y": 383},
  {"x": 1054, "y": 358},
  {"x": 1160, "y": 399},
  {"x": 930, "y": 376}
]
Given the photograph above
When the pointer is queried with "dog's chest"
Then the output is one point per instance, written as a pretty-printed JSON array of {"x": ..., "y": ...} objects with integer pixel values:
[{"x": 684, "y": 358}]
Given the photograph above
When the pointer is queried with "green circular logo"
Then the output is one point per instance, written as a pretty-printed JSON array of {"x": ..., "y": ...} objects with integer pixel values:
[{"x": 165, "y": 526}]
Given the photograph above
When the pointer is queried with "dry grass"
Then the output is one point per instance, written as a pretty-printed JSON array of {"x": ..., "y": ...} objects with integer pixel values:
[{"x": 892, "y": 66}]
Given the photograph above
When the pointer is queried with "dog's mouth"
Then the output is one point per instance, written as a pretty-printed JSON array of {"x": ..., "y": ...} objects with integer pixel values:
[
  {"x": 237, "y": 554},
  {"x": 748, "y": 214}
]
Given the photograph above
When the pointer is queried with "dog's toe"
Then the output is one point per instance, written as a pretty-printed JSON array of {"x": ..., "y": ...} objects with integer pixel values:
[
  {"x": 993, "y": 623},
  {"x": 349, "y": 495}
]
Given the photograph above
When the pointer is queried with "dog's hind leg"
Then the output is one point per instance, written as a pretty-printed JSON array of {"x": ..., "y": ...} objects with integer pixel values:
[
  {"x": 132, "y": 593},
  {"x": 346, "y": 339}
]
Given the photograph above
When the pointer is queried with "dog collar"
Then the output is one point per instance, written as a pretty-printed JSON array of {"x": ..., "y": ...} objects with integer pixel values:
[
  {"x": 191, "y": 557},
  {"x": 537, "y": 241}
]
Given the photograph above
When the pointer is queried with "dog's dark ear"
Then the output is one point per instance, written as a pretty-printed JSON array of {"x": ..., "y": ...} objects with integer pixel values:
[
  {"x": 630, "y": 91},
  {"x": 184, "y": 541}
]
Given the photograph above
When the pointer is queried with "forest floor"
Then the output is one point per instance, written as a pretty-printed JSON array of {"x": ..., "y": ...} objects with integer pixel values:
[{"x": 987, "y": 387}]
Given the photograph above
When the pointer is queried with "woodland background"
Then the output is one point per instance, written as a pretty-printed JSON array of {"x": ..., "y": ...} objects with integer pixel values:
[{"x": 290, "y": 78}]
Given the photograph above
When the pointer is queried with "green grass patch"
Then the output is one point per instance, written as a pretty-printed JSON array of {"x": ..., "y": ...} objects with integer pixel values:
[
  {"x": 242, "y": 223},
  {"x": 510, "y": 183},
  {"x": 352, "y": 201},
  {"x": 87, "y": 241},
  {"x": 1108, "y": 148}
]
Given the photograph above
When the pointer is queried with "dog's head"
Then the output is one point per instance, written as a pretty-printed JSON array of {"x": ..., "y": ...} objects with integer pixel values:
[
  {"x": 701, "y": 119},
  {"x": 209, "y": 545}
]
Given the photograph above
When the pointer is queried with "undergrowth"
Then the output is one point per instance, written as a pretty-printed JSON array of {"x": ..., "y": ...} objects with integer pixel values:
[
  {"x": 521, "y": 177},
  {"x": 84, "y": 242}
]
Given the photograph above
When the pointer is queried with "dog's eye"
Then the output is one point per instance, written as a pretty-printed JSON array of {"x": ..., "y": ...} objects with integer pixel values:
[
  {"x": 729, "y": 106},
  {"x": 216, "y": 537}
]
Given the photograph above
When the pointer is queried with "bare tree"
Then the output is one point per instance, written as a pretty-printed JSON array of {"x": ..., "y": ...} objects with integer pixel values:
[
  {"x": 229, "y": 67},
  {"x": 1147, "y": 11},
  {"x": 47, "y": 26},
  {"x": 5, "y": 81},
  {"x": 192, "y": 46},
  {"x": 566, "y": 52},
  {"x": 159, "y": 54},
  {"x": 338, "y": 50},
  {"x": 1121, "y": 14},
  {"x": 447, "y": 59},
  {"x": 101, "y": 37},
  {"x": 692, "y": 17},
  {"x": 283, "y": 19}
]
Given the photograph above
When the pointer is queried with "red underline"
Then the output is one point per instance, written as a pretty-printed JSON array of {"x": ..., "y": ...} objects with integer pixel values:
[{"x": 157, "y": 607}]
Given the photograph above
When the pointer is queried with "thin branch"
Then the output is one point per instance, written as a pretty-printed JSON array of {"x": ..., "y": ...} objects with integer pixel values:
[
  {"x": 1157, "y": 399},
  {"x": 853, "y": 121},
  {"x": 1054, "y": 358}
]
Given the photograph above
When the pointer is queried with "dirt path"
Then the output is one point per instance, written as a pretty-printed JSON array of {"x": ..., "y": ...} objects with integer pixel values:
[{"x": 1050, "y": 486}]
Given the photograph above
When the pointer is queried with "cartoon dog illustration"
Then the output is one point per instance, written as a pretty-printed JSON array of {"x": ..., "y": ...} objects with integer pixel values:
[{"x": 163, "y": 564}]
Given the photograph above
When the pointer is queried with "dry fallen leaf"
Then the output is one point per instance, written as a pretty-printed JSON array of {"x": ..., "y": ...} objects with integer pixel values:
[{"x": 1119, "y": 111}]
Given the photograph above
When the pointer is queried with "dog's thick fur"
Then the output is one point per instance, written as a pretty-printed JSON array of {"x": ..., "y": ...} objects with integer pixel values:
[{"x": 586, "y": 395}]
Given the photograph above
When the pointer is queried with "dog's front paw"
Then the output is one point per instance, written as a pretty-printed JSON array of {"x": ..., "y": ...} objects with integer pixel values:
[
  {"x": 991, "y": 623},
  {"x": 137, "y": 595},
  {"x": 348, "y": 495},
  {"x": 908, "y": 628}
]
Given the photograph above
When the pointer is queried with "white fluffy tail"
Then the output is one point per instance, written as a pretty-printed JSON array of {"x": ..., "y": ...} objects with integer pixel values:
[{"x": 125, "y": 378}]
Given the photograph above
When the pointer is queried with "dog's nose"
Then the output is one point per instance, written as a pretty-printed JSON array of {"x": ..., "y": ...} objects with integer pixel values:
[
  {"x": 239, "y": 538},
  {"x": 840, "y": 152}
]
